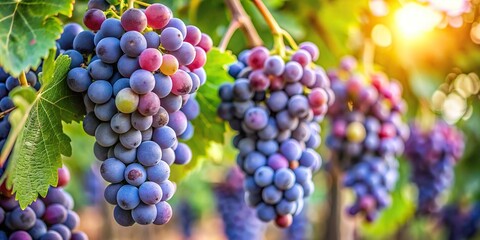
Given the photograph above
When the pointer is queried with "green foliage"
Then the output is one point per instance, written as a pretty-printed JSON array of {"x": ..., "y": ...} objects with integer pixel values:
[
  {"x": 29, "y": 28},
  {"x": 209, "y": 129},
  {"x": 37, "y": 131}
]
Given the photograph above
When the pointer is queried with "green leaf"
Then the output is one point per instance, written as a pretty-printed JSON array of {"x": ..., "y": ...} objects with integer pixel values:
[
  {"x": 28, "y": 29},
  {"x": 37, "y": 132},
  {"x": 209, "y": 128}
]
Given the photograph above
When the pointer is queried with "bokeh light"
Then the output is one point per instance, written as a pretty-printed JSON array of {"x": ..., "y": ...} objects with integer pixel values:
[
  {"x": 413, "y": 20},
  {"x": 381, "y": 35}
]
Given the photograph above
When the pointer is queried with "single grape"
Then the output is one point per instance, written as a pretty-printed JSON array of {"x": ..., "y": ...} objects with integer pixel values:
[
  {"x": 93, "y": 19},
  {"x": 108, "y": 50},
  {"x": 134, "y": 20},
  {"x": 150, "y": 193},
  {"x": 133, "y": 43},
  {"x": 135, "y": 174},
  {"x": 128, "y": 197},
  {"x": 127, "y": 100},
  {"x": 158, "y": 15},
  {"x": 112, "y": 170}
]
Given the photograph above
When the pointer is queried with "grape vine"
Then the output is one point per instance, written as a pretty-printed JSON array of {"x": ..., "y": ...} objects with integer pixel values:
[
  {"x": 139, "y": 91},
  {"x": 367, "y": 134}
]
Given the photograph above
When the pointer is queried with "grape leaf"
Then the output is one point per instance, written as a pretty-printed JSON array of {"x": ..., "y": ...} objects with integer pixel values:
[
  {"x": 37, "y": 131},
  {"x": 28, "y": 29},
  {"x": 209, "y": 128}
]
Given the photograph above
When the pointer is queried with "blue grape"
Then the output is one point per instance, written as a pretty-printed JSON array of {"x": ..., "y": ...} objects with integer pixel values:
[
  {"x": 150, "y": 193},
  {"x": 164, "y": 136},
  {"x": 120, "y": 123},
  {"x": 108, "y": 50},
  {"x": 55, "y": 213},
  {"x": 183, "y": 154},
  {"x": 133, "y": 43},
  {"x": 70, "y": 31},
  {"x": 106, "y": 111},
  {"x": 264, "y": 176},
  {"x": 171, "y": 38},
  {"x": 112, "y": 27},
  {"x": 105, "y": 136},
  {"x": 112, "y": 170},
  {"x": 76, "y": 59},
  {"x": 131, "y": 139},
  {"x": 37, "y": 230},
  {"x": 163, "y": 85},
  {"x": 110, "y": 193},
  {"x": 153, "y": 39},
  {"x": 63, "y": 230},
  {"x": 159, "y": 172},
  {"x": 78, "y": 79},
  {"x": 285, "y": 207},
  {"x": 127, "y": 65},
  {"x": 128, "y": 197},
  {"x": 21, "y": 219},
  {"x": 149, "y": 153},
  {"x": 168, "y": 156},
  {"x": 142, "y": 81},
  {"x": 168, "y": 189},
  {"x": 99, "y": 70},
  {"x": 100, "y": 91},
  {"x": 265, "y": 212},
  {"x": 253, "y": 161},
  {"x": 83, "y": 42},
  {"x": 284, "y": 178},
  {"x": 141, "y": 122},
  {"x": 135, "y": 174},
  {"x": 123, "y": 217},
  {"x": 120, "y": 84},
  {"x": 144, "y": 214},
  {"x": 164, "y": 213}
]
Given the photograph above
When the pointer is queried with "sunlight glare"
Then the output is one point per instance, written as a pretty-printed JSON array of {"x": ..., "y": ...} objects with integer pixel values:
[{"x": 413, "y": 20}]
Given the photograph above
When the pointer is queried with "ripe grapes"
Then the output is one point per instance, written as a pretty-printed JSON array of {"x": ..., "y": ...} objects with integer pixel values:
[
  {"x": 277, "y": 128},
  {"x": 139, "y": 86},
  {"x": 51, "y": 217},
  {"x": 240, "y": 221},
  {"x": 367, "y": 133},
  {"x": 433, "y": 153}
]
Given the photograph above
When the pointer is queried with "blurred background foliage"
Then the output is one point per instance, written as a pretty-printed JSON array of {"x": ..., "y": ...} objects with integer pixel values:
[{"x": 421, "y": 61}]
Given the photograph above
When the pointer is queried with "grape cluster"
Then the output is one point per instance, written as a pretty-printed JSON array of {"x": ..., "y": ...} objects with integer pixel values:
[
  {"x": 367, "y": 133},
  {"x": 138, "y": 85},
  {"x": 187, "y": 218},
  {"x": 460, "y": 222},
  {"x": 48, "y": 218},
  {"x": 301, "y": 227},
  {"x": 276, "y": 105},
  {"x": 239, "y": 220},
  {"x": 433, "y": 153}
]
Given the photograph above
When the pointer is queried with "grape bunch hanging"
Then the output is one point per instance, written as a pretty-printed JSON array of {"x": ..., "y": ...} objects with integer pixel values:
[
  {"x": 367, "y": 134},
  {"x": 239, "y": 220},
  {"x": 433, "y": 152},
  {"x": 48, "y": 218},
  {"x": 139, "y": 75},
  {"x": 275, "y": 104}
]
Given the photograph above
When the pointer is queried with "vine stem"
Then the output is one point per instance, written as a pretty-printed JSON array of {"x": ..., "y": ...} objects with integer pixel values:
[
  {"x": 131, "y": 3},
  {"x": 4, "y": 113},
  {"x": 234, "y": 25},
  {"x": 23, "y": 79},
  {"x": 277, "y": 32},
  {"x": 240, "y": 19},
  {"x": 142, "y": 3}
]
